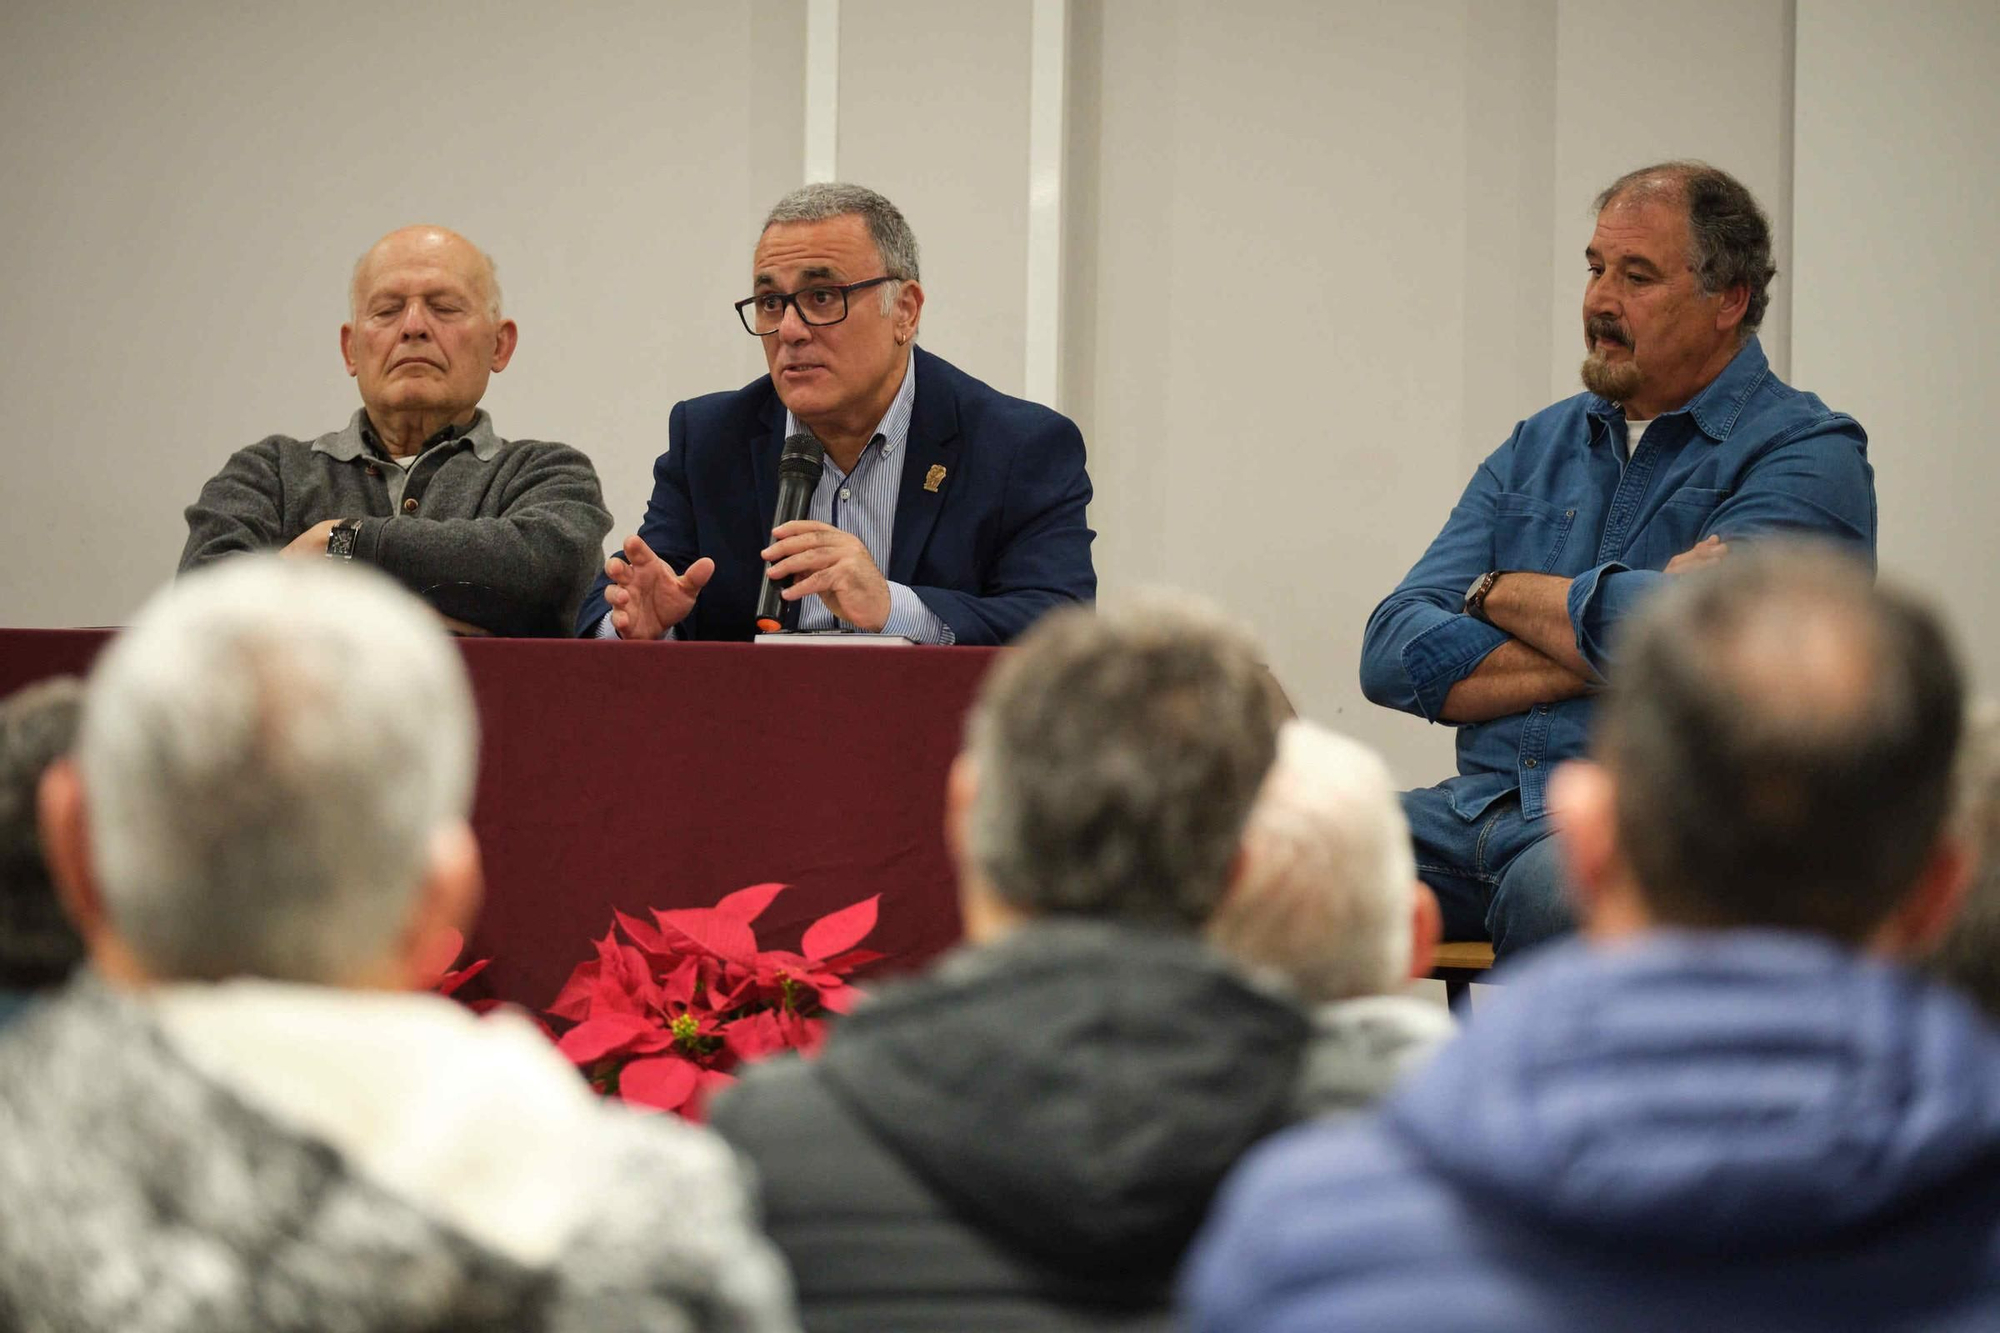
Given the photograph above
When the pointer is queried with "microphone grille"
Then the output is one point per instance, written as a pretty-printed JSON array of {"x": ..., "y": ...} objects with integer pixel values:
[{"x": 804, "y": 455}]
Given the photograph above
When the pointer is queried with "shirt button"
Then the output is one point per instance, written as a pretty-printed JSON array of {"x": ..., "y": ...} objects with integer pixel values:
[
  {"x": 1569, "y": 513},
  {"x": 410, "y": 505},
  {"x": 846, "y": 494},
  {"x": 1530, "y": 761}
]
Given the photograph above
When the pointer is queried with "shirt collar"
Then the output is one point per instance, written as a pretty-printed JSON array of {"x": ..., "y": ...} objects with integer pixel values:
[
  {"x": 358, "y": 438},
  {"x": 1715, "y": 409},
  {"x": 893, "y": 430}
]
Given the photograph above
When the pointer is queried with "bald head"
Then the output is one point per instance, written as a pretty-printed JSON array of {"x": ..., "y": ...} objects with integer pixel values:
[
  {"x": 437, "y": 246},
  {"x": 424, "y": 333}
]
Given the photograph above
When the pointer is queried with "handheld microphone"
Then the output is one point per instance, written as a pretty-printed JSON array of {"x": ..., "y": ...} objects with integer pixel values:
[{"x": 799, "y": 468}]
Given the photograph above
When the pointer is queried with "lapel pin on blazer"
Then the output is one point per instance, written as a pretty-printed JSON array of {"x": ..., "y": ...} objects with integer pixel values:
[{"x": 934, "y": 478}]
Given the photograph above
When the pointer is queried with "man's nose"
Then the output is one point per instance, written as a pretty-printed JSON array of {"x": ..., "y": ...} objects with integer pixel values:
[
  {"x": 792, "y": 326},
  {"x": 416, "y": 323}
]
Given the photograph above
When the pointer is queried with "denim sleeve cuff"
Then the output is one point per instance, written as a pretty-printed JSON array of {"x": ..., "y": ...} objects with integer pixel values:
[
  {"x": 1445, "y": 654},
  {"x": 1599, "y": 601},
  {"x": 909, "y": 617}
]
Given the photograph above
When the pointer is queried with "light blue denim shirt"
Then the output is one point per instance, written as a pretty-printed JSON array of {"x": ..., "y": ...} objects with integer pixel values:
[{"x": 1747, "y": 455}]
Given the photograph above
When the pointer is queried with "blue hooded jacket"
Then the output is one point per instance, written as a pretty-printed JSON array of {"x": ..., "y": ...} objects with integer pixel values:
[{"x": 1694, "y": 1132}]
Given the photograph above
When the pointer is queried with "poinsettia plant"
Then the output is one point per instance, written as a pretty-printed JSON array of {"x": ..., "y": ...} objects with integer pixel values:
[{"x": 669, "y": 1007}]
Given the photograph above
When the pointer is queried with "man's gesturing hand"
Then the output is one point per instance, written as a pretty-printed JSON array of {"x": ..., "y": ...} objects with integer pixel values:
[
  {"x": 646, "y": 597},
  {"x": 833, "y": 564},
  {"x": 1702, "y": 554}
]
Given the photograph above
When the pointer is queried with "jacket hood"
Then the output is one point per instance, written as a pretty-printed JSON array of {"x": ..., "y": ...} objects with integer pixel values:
[
  {"x": 1078, "y": 1088},
  {"x": 1710, "y": 1093}
]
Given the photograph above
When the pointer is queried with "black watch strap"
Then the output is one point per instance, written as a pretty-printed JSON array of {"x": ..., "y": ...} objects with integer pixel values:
[{"x": 340, "y": 542}]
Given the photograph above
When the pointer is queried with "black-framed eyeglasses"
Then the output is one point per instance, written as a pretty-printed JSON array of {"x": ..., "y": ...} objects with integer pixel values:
[{"x": 761, "y": 314}]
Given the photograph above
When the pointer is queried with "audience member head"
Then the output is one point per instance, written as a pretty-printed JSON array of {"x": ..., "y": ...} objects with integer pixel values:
[
  {"x": 836, "y": 357},
  {"x": 1110, "y": 764},
  {"x": 1328, "y": 896},
  {"x": 1680, "y": 271},
  {"x": 272, "y": 780},
  {"x": 1776, "y": 750},
  {"x": 424, "y": 330},
  {"x": 38, "y": 947},
  {"x": 1969, "y": 956}
]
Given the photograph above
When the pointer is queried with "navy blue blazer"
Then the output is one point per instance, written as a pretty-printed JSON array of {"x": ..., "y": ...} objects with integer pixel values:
[{"x": 1001, "y": 540}]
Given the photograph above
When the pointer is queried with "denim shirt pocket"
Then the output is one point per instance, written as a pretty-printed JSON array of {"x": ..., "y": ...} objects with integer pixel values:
[
  {"x": 1528, "y": 533},
  {"x": 1674, "y": 528}
]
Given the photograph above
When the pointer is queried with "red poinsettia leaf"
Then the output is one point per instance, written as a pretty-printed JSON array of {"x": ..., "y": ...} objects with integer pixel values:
[
  {"x": 573, "y": 1000},
  {"x": 839, "y": 998},
  {"x": 708, "y": 931},
  {"x": 746, "y": 905},
  {"x": 754, "y": 1037},
  {"x": 707, "y": 1084},
  {"x": 850, "y": 960},
  {"x": 802, "y": 1034},
  {"x": 663, "y": 1082},
  {"x": 677, "y": 987},
  {"x": 613, "y": 1034},
  {"x": 451, "y": 981},
  {"x": 438, "y": 953},
  {"x": 646, "y": 936},
  {"x": 840, "y": 930}
]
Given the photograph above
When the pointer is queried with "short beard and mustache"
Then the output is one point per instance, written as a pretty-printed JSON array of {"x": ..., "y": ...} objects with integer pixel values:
[{"x": 1615, "y": 380}]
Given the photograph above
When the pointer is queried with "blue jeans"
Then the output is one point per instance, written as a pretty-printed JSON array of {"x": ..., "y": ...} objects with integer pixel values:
[{"x": 1498, "y": 877}]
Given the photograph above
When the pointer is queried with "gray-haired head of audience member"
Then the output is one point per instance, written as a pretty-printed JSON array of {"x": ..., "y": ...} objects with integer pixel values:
[
  {"x": 1969, "y": 957},
  {"x": 1776, "y": 750},
  {"x": 272, "y": 780},
  {"x": 887, "y": 227},
  {"x": 1110, "y": 765},
  {"x": 38, "y": 946},
  {"x": 1328, "y": 896}
]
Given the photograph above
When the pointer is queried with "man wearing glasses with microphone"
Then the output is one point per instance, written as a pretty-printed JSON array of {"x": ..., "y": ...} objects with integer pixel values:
[{"x": 944, "y": 512}]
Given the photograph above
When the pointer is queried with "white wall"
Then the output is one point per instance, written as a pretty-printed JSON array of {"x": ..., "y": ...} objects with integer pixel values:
[
  {"x": 1898, "y": 191},
  {"x": 1319, "y": 255}
]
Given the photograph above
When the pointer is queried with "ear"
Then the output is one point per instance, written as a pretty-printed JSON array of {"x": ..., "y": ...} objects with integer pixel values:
[
  {"x": 961, "y": 788},
  {"x": 1930, "y": 909},
  {"x": 63, "y": 822},
  {"x": 1735, "y": 305},
  {"x": 505, "y": 339},
  {"x": 909, "y": 310},
  {"x": 447, "y": 900},
  {"x": 1583, "y": 797},
  {"x": 1426, "y": 929},
  {"x": 347, "y": 350}
]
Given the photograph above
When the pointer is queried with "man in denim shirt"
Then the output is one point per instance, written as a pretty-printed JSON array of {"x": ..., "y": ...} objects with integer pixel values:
[{"x": 1684, "y": 443}]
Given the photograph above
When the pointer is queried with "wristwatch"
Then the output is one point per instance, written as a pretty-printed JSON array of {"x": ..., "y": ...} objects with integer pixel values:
[
  {"x": 340, "y": 542},
  {"x": 1475, "y": 596}
]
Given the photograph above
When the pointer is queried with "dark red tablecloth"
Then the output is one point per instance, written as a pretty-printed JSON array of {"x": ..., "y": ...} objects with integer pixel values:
[{"x": 666, "y": 775}]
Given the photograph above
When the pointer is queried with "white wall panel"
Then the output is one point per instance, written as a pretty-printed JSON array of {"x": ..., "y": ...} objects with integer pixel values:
[{"x": 1899, "y": 275}]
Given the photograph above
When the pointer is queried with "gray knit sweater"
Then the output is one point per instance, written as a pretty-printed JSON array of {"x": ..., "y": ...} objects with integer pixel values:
[{"x": 505, "y": 534}]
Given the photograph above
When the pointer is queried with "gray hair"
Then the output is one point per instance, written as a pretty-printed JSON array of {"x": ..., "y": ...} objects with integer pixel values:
[
  {"x": 1328, "y": 885},
  {"x": 269, "y": 755},
  {"x": 490, "y": 278},
  {"x": 894, "y": 241},
  {"x": 1729, "y": 237},
  {"x": 38, "y": 947},
  {"x": 1117, "y": 757}
]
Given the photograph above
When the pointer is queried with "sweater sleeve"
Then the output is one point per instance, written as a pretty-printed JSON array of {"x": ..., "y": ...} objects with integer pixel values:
[
  {"x": 240, "y": 509},
  {"x": 535, "y": 557}
]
